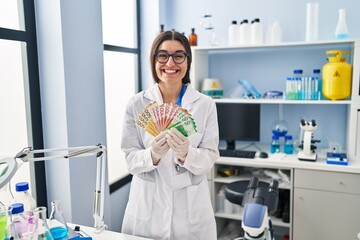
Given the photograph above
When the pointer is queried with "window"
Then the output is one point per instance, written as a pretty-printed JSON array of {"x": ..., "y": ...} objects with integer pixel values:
[
  {"x": 122, "y": 68},
  {"x": 20, "y": 122}
]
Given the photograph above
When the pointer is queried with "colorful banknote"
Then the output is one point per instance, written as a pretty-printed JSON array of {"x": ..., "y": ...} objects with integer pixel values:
[{"x": 157, "y": 118}]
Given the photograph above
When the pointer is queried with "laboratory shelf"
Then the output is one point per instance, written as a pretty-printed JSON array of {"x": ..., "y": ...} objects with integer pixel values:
[{"x": 281, "y": 101}]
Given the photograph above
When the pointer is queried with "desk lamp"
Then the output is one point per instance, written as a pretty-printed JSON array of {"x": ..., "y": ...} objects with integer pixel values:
[{"x": 9, "y": 166}]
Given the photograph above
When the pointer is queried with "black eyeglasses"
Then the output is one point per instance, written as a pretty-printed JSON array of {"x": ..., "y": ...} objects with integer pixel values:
[{"x": 163, "y": 57}]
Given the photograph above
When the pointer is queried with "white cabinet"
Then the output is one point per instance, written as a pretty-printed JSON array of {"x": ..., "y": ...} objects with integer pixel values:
[
  {"x": 326, "y": 205},
  {"x": 318, "y": 212},
  {"x": 243, "y": 169}
]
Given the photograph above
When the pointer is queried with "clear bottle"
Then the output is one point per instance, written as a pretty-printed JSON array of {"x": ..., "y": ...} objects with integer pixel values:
[
  {"x": 234, "y": 33},
  {"x": 19, "y": 223},
  {"x": 23, "y": 196},
  {"x": 57, "y": 222},
  {"x": 341, "y": 31},
  {"x": 289, "y": 145},
  {"x": 41, "y": 231},
  {"x": 275, "y": 144},
  {"x": 193, "y": 38}
]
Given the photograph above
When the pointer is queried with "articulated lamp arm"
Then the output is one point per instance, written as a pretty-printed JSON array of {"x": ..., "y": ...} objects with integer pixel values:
[{"x": 29, "y": 155}]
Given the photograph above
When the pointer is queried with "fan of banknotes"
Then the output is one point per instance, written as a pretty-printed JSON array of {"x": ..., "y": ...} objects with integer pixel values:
[{"x": 156, "y": 118}]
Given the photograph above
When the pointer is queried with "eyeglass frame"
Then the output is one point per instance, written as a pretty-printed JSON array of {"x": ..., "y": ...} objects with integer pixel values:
[{"x": 170, "y": 55}]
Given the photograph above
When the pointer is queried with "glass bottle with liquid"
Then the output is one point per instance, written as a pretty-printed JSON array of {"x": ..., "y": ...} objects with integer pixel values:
[
  {"x": 41, "y": 231},
  {"x": 193, "y": 38},
  {"x": 275, "y": 144},
  {"x": 57, "y": 222},
  {"x": 341, "y": 31},
  {"x": 289, "y": 146},
  {"x": 19, "y": 222}
]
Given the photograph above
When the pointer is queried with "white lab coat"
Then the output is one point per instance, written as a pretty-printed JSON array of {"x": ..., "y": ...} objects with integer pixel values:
[{"x": 165, "y": 203}]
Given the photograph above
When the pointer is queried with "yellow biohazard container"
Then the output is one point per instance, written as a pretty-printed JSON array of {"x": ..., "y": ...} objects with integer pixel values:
[{"x": 336, "y": 76}]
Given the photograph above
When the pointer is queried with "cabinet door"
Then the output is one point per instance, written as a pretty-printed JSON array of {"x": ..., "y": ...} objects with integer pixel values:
[{"x": 325, "y": 215}]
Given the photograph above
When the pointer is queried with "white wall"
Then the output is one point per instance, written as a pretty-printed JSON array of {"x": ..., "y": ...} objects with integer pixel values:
[
  {"x": 185, "y": 14},
  {"x": 72, "y": 95}
]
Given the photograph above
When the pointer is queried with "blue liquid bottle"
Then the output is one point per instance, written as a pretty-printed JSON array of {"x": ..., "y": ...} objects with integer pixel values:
[
  {"x": 289, "y": 146},
  {"x": 275, "y": 144},
  {"x": 57, "y": 222}
]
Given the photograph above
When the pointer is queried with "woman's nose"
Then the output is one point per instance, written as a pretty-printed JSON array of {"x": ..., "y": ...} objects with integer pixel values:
[{"x": 170, "y": 62}]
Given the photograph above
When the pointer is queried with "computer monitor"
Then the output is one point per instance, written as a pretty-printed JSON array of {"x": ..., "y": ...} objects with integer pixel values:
[{"x": 238, "y": 122}]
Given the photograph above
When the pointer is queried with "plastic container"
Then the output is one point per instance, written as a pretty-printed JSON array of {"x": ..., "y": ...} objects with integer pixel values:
[
  {"x": 275, "y": 144},
  {"x": 234, "y": 33},
  {"x": 336, "y": 82},
  {"x": 245, "y": 33},
  {"x": 220, "y": 200},
  {"x": 289, "y": 145},
  {"x": 341, "y": 31},
  {"x": 256, "y": 32}
]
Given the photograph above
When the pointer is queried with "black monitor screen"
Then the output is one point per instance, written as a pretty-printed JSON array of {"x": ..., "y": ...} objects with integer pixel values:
[{"x": 238, "y": 122}]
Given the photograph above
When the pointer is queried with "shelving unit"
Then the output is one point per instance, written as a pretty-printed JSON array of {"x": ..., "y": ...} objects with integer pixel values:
[{"x": 267, "y": 66}]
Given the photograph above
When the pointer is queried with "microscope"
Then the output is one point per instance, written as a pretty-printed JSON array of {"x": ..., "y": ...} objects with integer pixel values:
[
  {"x": 307, "y": 145},
  {"x": 260, "y": 200}
]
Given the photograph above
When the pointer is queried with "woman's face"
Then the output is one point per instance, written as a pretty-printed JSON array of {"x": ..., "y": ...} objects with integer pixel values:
[{"x": 171, "y": 72}]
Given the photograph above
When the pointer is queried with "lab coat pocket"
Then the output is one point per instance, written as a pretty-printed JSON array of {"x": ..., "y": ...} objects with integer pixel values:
[
  {"x": 199, "y": 204},
  {"x": 141, "y": 198}
]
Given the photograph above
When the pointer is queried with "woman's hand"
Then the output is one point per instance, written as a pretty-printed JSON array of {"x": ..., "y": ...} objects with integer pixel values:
[
  {"x": 178, "y": 143},
  {"x": 159, "y": 147}
]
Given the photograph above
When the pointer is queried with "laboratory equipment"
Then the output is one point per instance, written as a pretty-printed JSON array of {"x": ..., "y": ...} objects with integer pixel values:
[
  {"x": 5, "y": 212},
  {"x": 336, "y": 76},
  {"x": 212, "y": 87},
  {"x": 260, "y": 200},
  {"x": 256, "y": 32},
  {"x": 308, "y": 148},
  {"x": 193, "y": 37},
  {"x": 341, "y": 31},
  {"x": 275, "y": 144},
  {"x": 41, "y": 231},
  {"x": 19, "y": 222},
  {"x": 250, "y": 90},
  {"x": 312, "y": 21},
  {"x": 206, "y": 24},
  {"x": 57, "y": 223},
  {"x": 28, "y": 155},
  {"x": 23, "y": 196},
  {"x": 245, "y": 32},
  {"x": 234, "y": 33},
  {"x": 288, "y": 146}
]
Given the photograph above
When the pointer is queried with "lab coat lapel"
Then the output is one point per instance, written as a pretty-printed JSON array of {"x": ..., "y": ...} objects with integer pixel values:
[{"x": 154, "y": 94}]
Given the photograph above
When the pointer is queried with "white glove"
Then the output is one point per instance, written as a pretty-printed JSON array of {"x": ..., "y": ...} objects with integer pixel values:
[
  {"x": 178, "y": 143},
  {"x": 159, "y": 147}
]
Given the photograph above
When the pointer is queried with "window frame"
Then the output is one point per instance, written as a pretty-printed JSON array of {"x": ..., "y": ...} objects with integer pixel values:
[
  {"x": 28, "y": 36},
  {"x": 138, "y": 86}
]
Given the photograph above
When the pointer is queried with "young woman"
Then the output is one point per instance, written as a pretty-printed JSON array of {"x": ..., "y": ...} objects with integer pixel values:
[{"x": 169, "y": 196}]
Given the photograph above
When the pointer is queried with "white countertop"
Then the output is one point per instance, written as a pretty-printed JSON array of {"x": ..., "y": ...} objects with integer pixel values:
[
  {"x": 290, "y": 161},
  {"x": 106, "y": 234}
]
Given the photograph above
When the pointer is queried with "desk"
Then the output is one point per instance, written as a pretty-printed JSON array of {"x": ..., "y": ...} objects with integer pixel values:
[{"x": 106, "y": 235}]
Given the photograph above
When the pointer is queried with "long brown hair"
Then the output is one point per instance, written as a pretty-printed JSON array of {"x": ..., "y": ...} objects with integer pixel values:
[{"x": 170, "y": 35}]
